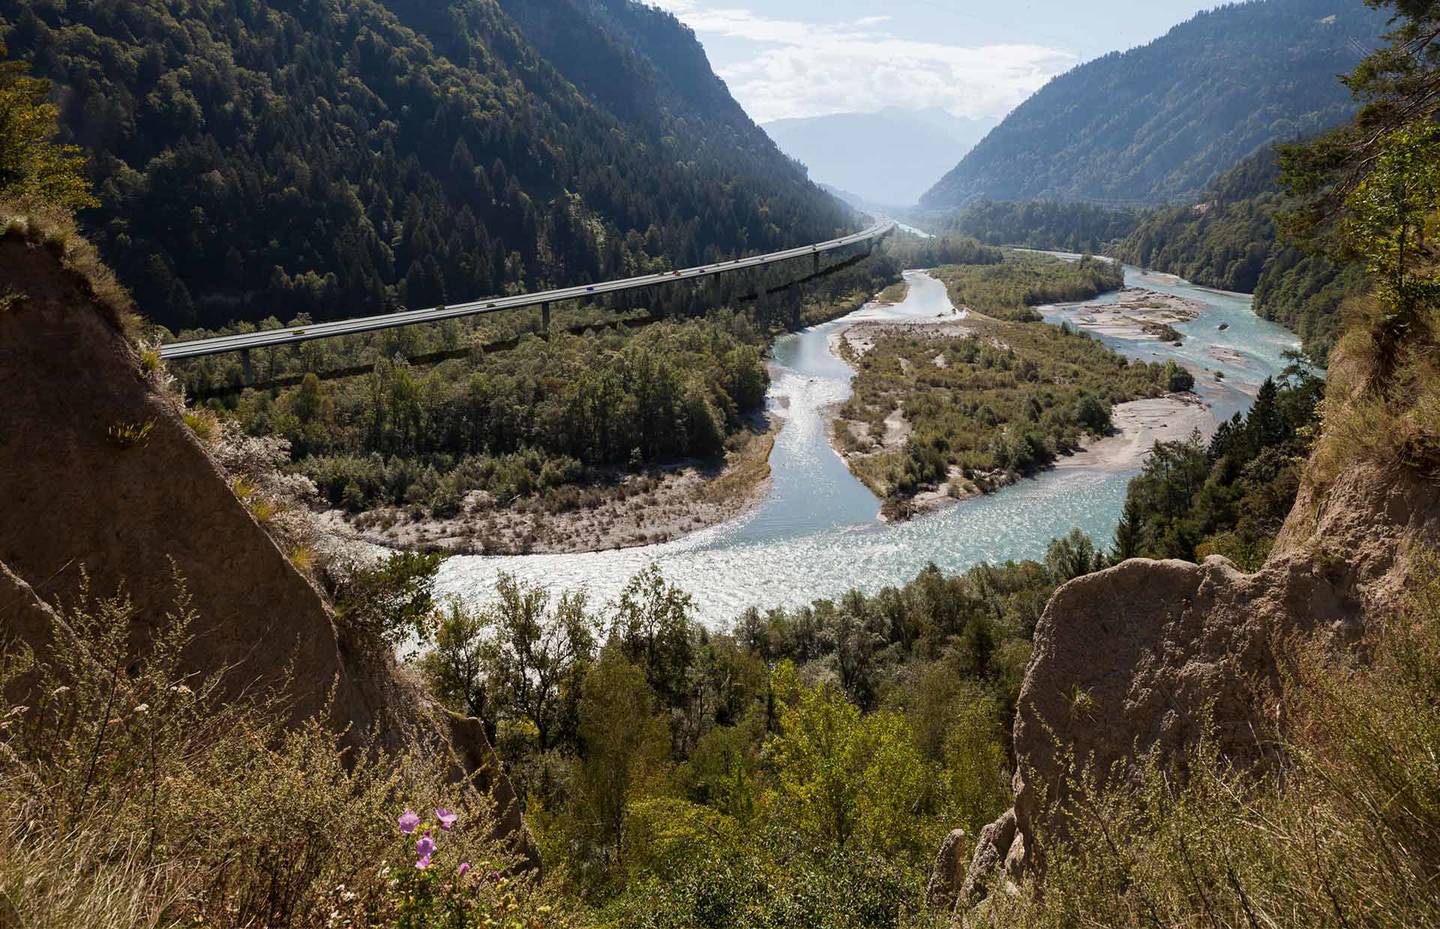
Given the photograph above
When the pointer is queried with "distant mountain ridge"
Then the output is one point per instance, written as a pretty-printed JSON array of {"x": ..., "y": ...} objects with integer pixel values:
[
  {"x": 269, "y": 158},
  {"x": 1157, "y": 123},
  {"x": 886, "y": 158}
]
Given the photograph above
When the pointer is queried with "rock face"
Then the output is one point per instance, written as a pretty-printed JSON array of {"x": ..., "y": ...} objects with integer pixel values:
[
  {"x": 948, "y": 873},
  {"x": 990, "y": 851},
  {"x": 105, "y": 488},
  {"x": 1138, "y": 659}
]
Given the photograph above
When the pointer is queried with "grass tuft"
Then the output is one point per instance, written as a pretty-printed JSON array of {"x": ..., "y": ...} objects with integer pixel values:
[{"x": 130, "y": 435}]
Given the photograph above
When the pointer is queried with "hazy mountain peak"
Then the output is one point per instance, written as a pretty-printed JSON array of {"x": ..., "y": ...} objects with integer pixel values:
[{"x": 887, "y": 157}]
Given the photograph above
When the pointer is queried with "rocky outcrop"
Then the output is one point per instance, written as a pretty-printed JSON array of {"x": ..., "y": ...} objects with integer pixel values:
[
  {"x": 1142, "y": 659},
  {"x": 947, "y": 875},
  {"x": 990, "y": 851},
  {"x": 106, "y": 490}
]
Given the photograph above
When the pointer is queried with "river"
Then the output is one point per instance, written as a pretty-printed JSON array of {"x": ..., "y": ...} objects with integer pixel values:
[{"x": 817, "y": 532}]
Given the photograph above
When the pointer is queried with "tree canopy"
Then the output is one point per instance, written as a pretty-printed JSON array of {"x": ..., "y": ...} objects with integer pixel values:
[
  {"x": 35, "y": 171},
  {"x": 257, "y": 158}
]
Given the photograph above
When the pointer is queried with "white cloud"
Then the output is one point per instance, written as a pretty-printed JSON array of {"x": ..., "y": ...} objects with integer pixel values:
[{"x": 812, "y": 69}]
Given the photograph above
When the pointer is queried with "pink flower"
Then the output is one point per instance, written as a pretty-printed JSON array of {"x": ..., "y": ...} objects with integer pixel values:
[
  {"x": 423, "y": 863},
  {"x": 464, "y": 868},
  {"x": 409, "y": 822},
  {"x": 447, "y": 818},
  {"x": 425, "y": 847}
]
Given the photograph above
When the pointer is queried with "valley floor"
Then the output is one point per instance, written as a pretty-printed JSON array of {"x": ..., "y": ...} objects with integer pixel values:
[
  {"x": 659, "y": 505},
  {"x": 919, "y": 378}
]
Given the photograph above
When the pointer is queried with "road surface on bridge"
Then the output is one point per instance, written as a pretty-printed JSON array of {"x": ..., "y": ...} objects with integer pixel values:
[{"x": 219, "y": 345}]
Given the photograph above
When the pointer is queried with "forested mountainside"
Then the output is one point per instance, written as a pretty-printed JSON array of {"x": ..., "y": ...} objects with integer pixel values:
[
  {"x": 1229, "y": 239},
  {"x": 1157, "y": 123},
  {"x": 1046, "y": 224},
  {"x": 260, "y": 158}
]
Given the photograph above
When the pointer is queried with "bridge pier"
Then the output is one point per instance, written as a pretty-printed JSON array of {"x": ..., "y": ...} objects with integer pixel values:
[
  {"x": 545, "y": 320},
  {"x": 246, "y": 367},
  {"x": 817, "y": 262}
]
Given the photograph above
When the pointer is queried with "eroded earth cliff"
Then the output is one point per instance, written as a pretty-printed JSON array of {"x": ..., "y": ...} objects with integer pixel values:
[
  {"x": 1142, "y": 660},
  {"x": 106, "y": 491}
]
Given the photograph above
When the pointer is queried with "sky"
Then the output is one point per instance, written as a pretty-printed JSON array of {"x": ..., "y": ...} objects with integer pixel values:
[{"x": 975, "y": 58}]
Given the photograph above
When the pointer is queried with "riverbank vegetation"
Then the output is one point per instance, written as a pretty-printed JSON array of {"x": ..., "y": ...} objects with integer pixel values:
[
  {"x": 496, "y": 439},
  {"x": 1233, "y": 240},
  {"x": 796, "y": 770},
  {"x": 1228, "y": 496},
  {"x": 531, "y": 420},
  {"x": 480, "y": 434},
  {"x": 913, "y": 251},
  {"x": 955, "y": 407},
  {"x": 967, "y": 407},
  {"x": 1011, "y": 288}
]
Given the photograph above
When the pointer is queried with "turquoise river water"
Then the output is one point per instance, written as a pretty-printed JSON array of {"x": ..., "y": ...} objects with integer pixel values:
[{"x": 817, "y": 532}]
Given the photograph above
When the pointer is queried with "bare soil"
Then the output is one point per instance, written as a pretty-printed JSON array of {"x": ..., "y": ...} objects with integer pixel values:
[
  {"x": 629, "y": 510},
  {"x": 1138, "y": 314}
]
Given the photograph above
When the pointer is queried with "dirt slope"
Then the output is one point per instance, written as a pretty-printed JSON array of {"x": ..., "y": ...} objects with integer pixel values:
[
  {"x": 1136, "y": 659},
  {"x": 101, "y": 479}
]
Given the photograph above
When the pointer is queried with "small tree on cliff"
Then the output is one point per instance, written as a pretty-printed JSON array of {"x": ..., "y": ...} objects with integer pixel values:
[{"x": 34, "y": 171}]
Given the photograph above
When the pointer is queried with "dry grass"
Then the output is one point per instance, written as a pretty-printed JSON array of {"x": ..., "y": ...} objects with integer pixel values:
[
  {"x": 130, "y": 435},
  {"x": 1345, "y": 834},
  {"x": 205, "y": 425},
  {"x": 55, "y": 231},
  {"x": 1394, "y": 422},
  {"x": 133, "y": 795}
]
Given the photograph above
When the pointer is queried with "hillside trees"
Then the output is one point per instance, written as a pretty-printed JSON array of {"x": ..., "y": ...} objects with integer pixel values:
[
  {"x": 796, "y": 770},
  {"x": 1368, "y": 195},
  {"x": 1230, "y": 498},
  {"x": 1047, "y": 224},
  {"x": 35, "y": 172},
  {"x": 1155, "y": 124},
  {"x": 257, "y": 158}
]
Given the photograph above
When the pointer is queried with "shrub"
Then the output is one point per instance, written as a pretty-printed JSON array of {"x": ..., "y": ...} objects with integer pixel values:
[
  {"x": 136, "y": 793},
  {"x": 390, "y": 601}
]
